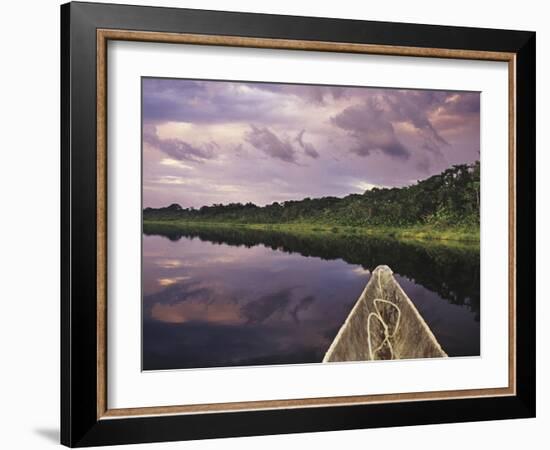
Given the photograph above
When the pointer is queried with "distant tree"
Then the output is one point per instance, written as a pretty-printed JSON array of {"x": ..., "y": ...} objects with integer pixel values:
[{"x": 451, "y": 197}]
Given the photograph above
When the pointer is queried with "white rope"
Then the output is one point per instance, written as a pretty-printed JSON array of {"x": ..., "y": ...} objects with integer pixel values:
[{"x": 378, "y": 316}]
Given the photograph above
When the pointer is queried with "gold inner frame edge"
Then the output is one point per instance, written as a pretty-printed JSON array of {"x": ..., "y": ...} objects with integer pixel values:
[{"x": 103, "y": 36}]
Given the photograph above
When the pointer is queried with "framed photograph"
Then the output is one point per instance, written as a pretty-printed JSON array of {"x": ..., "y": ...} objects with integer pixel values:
[{"x": 276, "y": 224}]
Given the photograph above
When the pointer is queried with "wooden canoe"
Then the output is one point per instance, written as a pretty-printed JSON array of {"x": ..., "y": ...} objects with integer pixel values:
[{"x": 383, "y": 324}]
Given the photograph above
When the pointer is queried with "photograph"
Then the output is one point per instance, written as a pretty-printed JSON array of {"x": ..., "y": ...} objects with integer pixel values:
[{"x": 290, "y": 223}]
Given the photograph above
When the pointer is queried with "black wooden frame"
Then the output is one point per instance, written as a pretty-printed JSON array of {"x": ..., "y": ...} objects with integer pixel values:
[{"x": 79, "y": 423}]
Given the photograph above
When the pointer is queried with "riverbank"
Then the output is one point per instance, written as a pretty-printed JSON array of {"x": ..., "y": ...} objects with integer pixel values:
[{"x": 419, "y": 232}]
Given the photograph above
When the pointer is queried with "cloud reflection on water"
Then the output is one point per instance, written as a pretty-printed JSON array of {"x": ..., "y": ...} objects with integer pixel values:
[{"x": 212, "y": 304}]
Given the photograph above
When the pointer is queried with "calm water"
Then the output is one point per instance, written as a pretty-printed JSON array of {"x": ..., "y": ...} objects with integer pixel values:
[{"x": 233, "y": 298}]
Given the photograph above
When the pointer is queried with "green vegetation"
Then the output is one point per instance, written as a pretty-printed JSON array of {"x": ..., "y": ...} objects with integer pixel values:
[
  {"x": 444, "y": 206},
  {"x": 424, "y": 232}
]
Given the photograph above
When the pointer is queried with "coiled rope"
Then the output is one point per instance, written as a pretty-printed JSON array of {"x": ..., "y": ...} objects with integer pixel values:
[{"x": 378, "y": 316}]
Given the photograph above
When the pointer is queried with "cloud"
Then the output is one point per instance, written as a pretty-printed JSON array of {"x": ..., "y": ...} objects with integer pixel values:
[
  {"x": 177, "y": 148},
  {"x": 207, "y": 102},
  {"x": 423, "y": 164},
  {"x": 457, "y": 113},
  {"x": 314, "y": 94},
  {"x": 268, "y": 142},
  {"x": 198, "y": 184},
  {"x": 370, "y": 128},
  {"x": 175, "y": 163},
  {"x": 308, "y": 148},
  {"x": 365, "y": 186},
  {"x": 462, "y": 103},
  {"x": 374, "y": 122},
  {"x": 168, "y": 281},
  {"x": 165, "y": 99},
  {"x": 302, "y": 305},
  {"x": 222, "y": 102},
  {"x": 316, "y": 139},
  {"x": 412, "y": 107},
  {"x": 258, "y": 311}
]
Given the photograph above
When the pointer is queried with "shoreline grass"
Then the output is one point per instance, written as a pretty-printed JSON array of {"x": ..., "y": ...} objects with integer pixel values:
[{"x": 418, "y": 232}]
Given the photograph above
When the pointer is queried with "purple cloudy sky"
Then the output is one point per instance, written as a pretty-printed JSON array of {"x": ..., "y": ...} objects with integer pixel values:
[{"x": 208, "y": 142}]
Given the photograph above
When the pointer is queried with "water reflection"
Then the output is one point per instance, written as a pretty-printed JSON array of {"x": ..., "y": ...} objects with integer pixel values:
[{"x": 227, "y": 297}]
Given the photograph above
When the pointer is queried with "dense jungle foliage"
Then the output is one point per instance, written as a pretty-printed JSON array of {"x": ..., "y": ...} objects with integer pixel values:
[{"x": 451, "y": 198}]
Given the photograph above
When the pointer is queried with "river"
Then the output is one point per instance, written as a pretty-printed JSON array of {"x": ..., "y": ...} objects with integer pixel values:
[{"x": 218, "y": 297}]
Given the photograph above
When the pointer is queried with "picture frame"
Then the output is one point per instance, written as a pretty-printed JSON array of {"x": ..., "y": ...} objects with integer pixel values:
[{"x": 86, "y": 29}]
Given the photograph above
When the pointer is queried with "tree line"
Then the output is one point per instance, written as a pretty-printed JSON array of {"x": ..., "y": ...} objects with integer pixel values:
[{"x": 449, "y": 198}]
